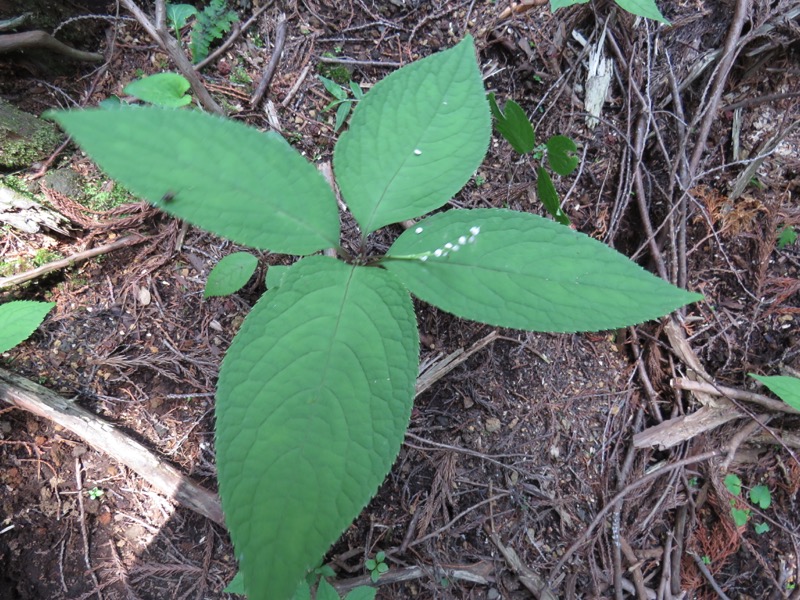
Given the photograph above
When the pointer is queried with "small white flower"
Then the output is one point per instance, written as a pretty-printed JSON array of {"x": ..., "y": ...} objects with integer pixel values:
[
  {"x": 475, "y": 230},
  {"x": 418, "y": 230},
  {"x": 456, "y": 247},
  {"x": 462, "y": 240},
  {"x": 423, "y": 258},
  {"x": 448, "y": 245},
  {"x": 437, "y": 252},
  {"x": 417, "y": 151}
]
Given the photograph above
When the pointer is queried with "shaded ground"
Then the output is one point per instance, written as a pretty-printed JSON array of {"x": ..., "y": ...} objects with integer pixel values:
[{"x": 525, "y": 444}]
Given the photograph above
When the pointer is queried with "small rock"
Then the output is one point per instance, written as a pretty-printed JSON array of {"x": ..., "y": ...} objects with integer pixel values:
[{"x": 493, "y": 425}]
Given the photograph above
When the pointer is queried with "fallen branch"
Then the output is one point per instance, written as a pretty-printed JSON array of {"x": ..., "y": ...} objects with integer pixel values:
[
  {"x": 64, "y": 263},
  {"x": 269, "y": 72},
  {"x": 105, "y": 437},
  {"x": 9, "y": 42},
  {"x": 531, "y": 580},
  {"x": 719, "y": 390}
]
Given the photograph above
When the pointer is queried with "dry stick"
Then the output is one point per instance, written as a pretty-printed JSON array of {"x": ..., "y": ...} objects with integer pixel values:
[
  {"x": 612, "y": 503},
  {"x": 718, "y": 390},
  {"x": 171, "y": 47},
  {"x": 64, "y": 263},
  {"x": 339, "y": 60},
  {"x": 237, "y": 31},
  {"x": 740, "y": 437},
  {"x": 530, "y": 579},
  {"x": 476, "y": 573},
  {"x": 84, "y": 535},
  {"x": 103, "y": 436},
  {"x": 269, "y": 72},
  {"x": 10, "y": 42},
  {"x": 709, "y": 577}
]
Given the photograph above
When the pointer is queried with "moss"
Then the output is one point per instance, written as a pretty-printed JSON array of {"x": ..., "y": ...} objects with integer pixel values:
[{"x": 24, "y": 138}]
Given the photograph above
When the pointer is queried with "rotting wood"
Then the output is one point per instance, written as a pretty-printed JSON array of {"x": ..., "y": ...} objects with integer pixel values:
[
  {"x": 10, "y": 42},
  {"x": 106, "y": 438}
]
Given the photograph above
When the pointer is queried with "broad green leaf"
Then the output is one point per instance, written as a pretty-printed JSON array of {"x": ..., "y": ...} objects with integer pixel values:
[
  {"x": 561, "y": 154},
  {"x": 514, "y": 125},
  {"x": 733, "y": 484},
  {"x": 179, "y": 14},
  {"x": 784, "y": 387},
  {"x": 232, "y": 180},
  {"x": 643, "y": 8},
  {"x": 162, "y": 89},
  {"x": 230, "y": 274},
  {"x": 325, "y": 591},
  {"x": 415, "y": 139},
  {"x": 313, "y": 399},
  {"x": 302, "y": 592},
  {"x": 362, "y": 592},
  {"x": 275, "y": 275},
  {"x": 236, "y": 586},
  {"x": 549, "y": 196},
  {"x": 760, "y": 495},
  {"x": 358, "y": 93},
  {"x": 556, "y": 4},
  {"x": 19, "y": 319},
  {"x": 520, "y": 270}
]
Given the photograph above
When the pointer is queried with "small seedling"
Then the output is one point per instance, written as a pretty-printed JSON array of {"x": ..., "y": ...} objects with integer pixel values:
[
  {"x": 95, "y": 493},
  {"x": 706, "y": 559},
  {"x": 759, "y": 495},
  {"x": 342, "y": 99},
  {"x": 513, "y": 124},
  {"x": 376, "y": 566},
  {"x": 786, "y": 237}
]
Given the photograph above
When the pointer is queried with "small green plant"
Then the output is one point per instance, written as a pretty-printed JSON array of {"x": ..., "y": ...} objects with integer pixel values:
[
  {"x": 343, "y": 102},
  {"x": 759, "y": 495},
  {"x": 162, "y": 89},
  {"x": 44, "y": 256},
  {"x": 95, "y": 493},
  {"x": 513, "y": 124},
  {"x": 19, "y": 319},
  {"x": 178, "y": 16},
  {"x": 642, "y": 8},
  {"x": 706, "y": 559},
  {"x": 315, "y": 392},
  {"x": 376, "y": 566},
  {"x": 786, "y": 237},
  {"x": 210, "y": 24}
]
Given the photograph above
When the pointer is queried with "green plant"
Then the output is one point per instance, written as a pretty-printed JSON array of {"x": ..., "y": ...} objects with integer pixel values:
[
  {"x": 376, "y": 566},
  {"x": 178, "y": 16},
  {"x": 758, "y": 494},
  {"x": 162, "y": 89},
  {"x": 95, "y": 493},
  {"x": 342, "y": 99},
  {"x": 44, "y": 256},
  {"x": 513, "y": 124},
  {"x": 786, "y": 237},
  {"x": 210, "y": 24},
  {"x": 19, "y": 319},
  {"x": 642, "y": 8},
  {"x": 230, "y": 274},
  {"x": 315, "y": 392},
  {"x": 706, "y": 559},
  {"x": 784, "y": 387}
]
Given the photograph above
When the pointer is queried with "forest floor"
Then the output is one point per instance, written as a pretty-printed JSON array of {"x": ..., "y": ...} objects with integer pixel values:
[{"x": 574, "y": 459}]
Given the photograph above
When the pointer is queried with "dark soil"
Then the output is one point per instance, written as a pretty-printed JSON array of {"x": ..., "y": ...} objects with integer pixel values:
[{"x": 525, "y": 444}]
